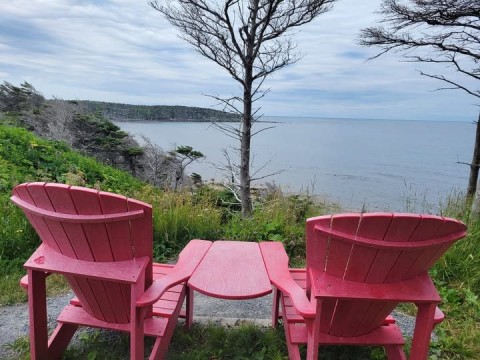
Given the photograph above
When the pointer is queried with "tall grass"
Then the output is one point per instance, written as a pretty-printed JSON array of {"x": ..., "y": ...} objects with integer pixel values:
[
  {"x": 179, "y": 217},
  {"x": 278, "y": 217},
  {"x": 457, "y": 278}
]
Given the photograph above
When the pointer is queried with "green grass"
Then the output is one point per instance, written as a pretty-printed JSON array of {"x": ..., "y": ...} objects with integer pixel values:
[
  {"x": 457, "y": 278},
  {"x": 202, "y": 341}
]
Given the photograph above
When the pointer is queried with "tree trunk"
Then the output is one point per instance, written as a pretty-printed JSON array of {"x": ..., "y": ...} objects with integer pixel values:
[
  {"x": 474, "y": 166},
  {"x": 245, "y": 195}
]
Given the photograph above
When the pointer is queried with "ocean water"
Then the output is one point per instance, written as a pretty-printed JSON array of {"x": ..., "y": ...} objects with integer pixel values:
[{"x": 374, "y": 164}]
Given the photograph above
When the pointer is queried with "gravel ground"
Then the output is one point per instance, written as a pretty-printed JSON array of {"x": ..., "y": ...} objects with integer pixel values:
[{"x": 14, "y": 319}]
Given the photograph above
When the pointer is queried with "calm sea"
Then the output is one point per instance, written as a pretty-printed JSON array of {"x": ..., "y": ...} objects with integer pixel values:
[{"x": 380, "y": 164}]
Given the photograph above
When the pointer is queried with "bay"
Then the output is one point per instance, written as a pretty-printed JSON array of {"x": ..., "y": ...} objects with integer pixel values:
[{"x": 393, "y": 165}]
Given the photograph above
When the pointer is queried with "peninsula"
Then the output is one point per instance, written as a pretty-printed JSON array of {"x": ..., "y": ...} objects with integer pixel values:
[{"x": 127, "y": 112}]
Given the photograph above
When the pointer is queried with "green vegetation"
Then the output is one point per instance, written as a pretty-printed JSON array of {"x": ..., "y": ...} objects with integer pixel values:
[
  {"x": 457, "y": 277},
  {"x": 206, "y": 212}
]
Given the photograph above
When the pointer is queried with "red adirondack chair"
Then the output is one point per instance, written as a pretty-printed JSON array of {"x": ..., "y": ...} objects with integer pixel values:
[
  {"x": 102, "y": 244},
  {"x": 359, "y": 268}
]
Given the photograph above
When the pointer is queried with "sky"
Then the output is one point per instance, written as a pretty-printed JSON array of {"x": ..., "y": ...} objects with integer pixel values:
[{"x": 124, "y": 51}]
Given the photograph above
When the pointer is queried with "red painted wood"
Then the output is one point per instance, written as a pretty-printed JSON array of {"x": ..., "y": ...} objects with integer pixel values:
[
  {"x": 37, "y": 307},
  {"x": 363, "y": 266},
  {"x": 402, "y": 227},
  {"x": 419, "y": 289},
  {"x": 395, "y": 352},
  {"x": 102, "y": 243},
  {"x": 142, "y": 228},
  {"x": 119, "y": 235},
  {"x": 37, "y": 195},
  {"x": 276, "y": 262},
  {"x": 232, "y": 270},
  {"x": 374, "y": 226},
  {"x": 72, "y": 218},
  {"x": 318, "y": 246},
  {"x": 87, "y": 202},
  {"x": 21, "y": 192},
  {"x": 382, "y": 265},
  {"x": 109, "y": 296},
  {"x": 423, "y": 329},
  {"x": 339, "y": 250},
  {"x": 188, "y": 260},
  {"x": 75, "y": 315},
  {"x": 384, "y": 335},
  {"x": 427, "y": 228},
  {"x": 44, "y": 201},
  {"x": 59, "y": 340},
  {"x": 48, "y": 260}
]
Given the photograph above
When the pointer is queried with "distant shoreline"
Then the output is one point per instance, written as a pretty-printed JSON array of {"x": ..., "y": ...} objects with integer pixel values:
[{"x": 140, "y": 121}]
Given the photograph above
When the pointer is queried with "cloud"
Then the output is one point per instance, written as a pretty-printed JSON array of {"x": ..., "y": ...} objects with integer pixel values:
[{"x": 123, "y": 50}]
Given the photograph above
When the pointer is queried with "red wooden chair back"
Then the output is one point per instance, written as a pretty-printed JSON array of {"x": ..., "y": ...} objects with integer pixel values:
[
  {"x": 373, "y": 248},
  {"x": 91, "y": 225}
]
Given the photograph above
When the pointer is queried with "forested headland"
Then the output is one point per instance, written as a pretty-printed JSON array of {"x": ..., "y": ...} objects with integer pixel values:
[{"x": 127, "y": 112}]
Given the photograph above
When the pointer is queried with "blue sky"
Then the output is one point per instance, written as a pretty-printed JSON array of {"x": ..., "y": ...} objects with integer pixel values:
[{"x": 124, "y": 51}]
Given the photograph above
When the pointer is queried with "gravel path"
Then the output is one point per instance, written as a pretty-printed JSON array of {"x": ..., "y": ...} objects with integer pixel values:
[{"x": 14, "y": 319}]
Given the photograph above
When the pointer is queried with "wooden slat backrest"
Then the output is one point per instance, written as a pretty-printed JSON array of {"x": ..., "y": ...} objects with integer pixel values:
[
  {"x": 124, "y": 235},
  {"x": 374, "y": 248}
]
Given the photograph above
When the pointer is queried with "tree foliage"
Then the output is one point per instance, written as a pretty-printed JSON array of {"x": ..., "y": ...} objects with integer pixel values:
[
  {"x": 445, "y": 33},
  {"x": 18, "y": 98},
  {"x": 250, "y": 40},
  {"x": 184, "y": 155}
]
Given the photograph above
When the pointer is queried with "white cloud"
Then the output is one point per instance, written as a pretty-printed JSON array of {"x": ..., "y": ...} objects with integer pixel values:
[{"x": 123, "y": 50}]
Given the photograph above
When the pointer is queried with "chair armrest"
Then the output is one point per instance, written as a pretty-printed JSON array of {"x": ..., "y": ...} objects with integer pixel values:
[
  {"x": 276, "y": 263},
  {"x": 24, "y": 281},
  {"x": 48, "y": 260},
  {"x": 439, "y": 316},
  {"x": 419, "y": 289},
  {"x": 188, "y": 260}
]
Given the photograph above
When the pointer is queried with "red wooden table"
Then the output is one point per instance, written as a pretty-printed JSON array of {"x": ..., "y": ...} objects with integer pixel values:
[{"x": 232, "y": 270}]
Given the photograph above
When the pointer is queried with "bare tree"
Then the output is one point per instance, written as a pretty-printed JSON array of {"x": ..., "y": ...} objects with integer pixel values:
[
  {"x": 250, "y": 40},
  {"x": 158, "y": 168},
  {"x": 57, "y": 118},
  {"x": 444, "y": 33}
]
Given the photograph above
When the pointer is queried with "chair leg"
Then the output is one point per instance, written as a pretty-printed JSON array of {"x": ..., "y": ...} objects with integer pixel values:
[
  {"x": 37, "y": 306},
  {"x": 313, "y": 331},
  {"x": 312, "y": 338},
  {"x": 137, "y": 334},
  {"x": 293, "y": 350},
  {"x": 189, "y": 307},
  {"x": 160, "y": 347},
  {"x": 395, "y": 352},
  {"x": 275, "y": 307},
  {"x": 423, "y": 330},
  {"x": 60, "y": 339}
]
